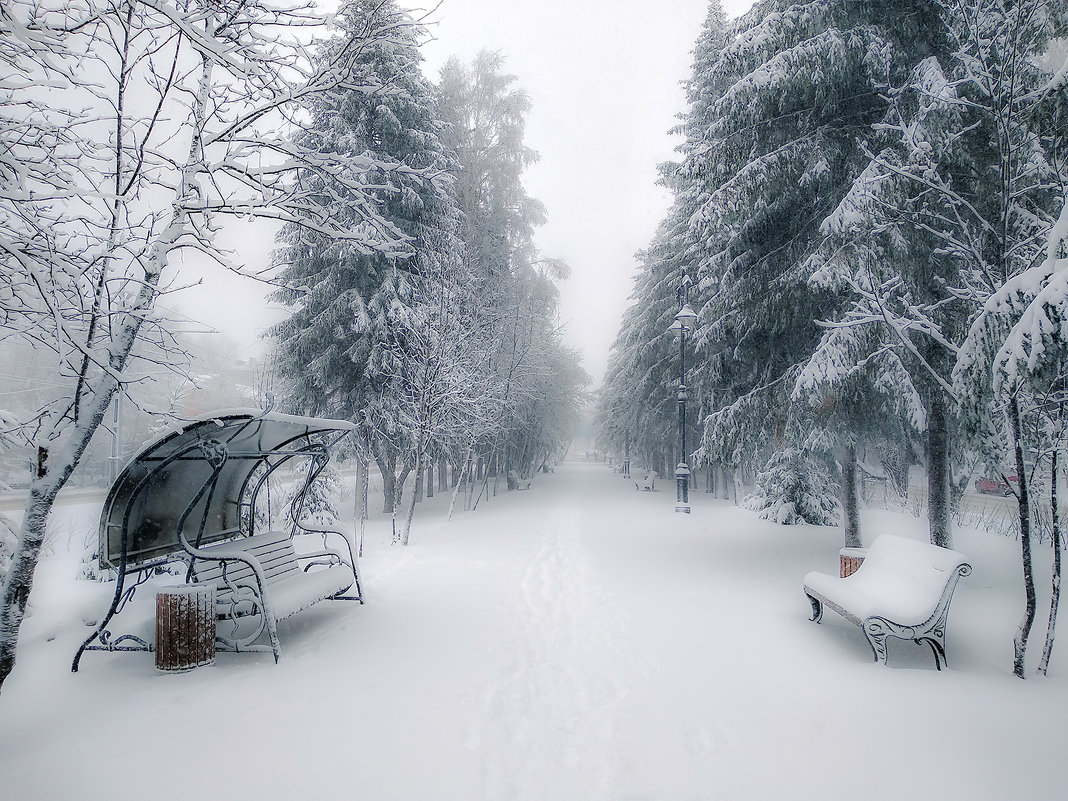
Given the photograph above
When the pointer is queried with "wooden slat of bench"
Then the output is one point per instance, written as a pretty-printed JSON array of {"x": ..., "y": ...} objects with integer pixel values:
[{"x": 276, "y": 556}]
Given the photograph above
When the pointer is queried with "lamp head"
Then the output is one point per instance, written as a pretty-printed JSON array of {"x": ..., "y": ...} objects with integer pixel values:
[{"x": 686, "y": 317}]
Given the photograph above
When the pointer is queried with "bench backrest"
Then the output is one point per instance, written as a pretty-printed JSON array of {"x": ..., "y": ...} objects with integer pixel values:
[
  {"x": 929, "y": 566},
  {"x": 273, "y": 550}
]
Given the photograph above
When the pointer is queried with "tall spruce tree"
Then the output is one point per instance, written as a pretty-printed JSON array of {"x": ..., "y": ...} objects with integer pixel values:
[
  {"x": 354, "y": 311},
  {"x": 638, "y": 399},
  {"x": 955, "y": 199},
  {"x": 782, "y": 109},
  {"x": 800, "y": 87}
]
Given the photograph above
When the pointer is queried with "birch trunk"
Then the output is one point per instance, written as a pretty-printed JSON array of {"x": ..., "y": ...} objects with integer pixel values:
[
  {"x": 407, "y": 530},
  {"x": 1055, "y": 599},
  {"x": 1024, "y": 629},
  {"x": 459, "y": 483},
  {"x": 362, "y": 485}
]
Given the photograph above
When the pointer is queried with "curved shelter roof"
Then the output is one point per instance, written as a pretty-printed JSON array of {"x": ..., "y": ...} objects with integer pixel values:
[{"x": 140, "y": 519}]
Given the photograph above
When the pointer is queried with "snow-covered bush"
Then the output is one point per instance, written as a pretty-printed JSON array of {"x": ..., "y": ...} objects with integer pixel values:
[
  {"x": 321, "y": 500},
  {"x": 794, "y": 488}
]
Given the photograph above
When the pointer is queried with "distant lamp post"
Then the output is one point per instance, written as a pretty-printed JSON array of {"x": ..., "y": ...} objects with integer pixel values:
[{"x": 684, "y": 322}]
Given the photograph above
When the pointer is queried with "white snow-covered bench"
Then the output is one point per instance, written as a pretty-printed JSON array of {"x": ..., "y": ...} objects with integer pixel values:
[
  {"x": 648, "y": 484},
  {"x": 903, "y": 589},
  {"x": 260, "y": 580}
]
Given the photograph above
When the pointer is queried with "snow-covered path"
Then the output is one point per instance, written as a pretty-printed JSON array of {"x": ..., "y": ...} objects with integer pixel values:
[{"x": 576, "y": 642}]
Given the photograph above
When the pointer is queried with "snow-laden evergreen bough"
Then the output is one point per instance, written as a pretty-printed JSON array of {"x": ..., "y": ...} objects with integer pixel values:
[
  {"x": 957, "y": 195},
  {"x": 130, "y": 131},
  {"x": 1012, "y": 370}
]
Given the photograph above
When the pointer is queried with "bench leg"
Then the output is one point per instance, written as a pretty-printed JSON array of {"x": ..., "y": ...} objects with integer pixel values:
[
  {"x": 877, "y": 630},
  {"x": 937, "y": 649},
  {"x": 817, "y": 609}
]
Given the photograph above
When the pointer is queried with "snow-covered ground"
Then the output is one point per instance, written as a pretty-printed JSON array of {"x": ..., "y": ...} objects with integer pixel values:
[{"x": 579, "y": 641}]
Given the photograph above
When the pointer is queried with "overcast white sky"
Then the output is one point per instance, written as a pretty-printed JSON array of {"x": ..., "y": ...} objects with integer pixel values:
[{"x": 604, "y": 79}]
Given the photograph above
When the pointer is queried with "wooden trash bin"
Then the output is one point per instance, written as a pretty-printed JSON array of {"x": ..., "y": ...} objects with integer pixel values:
[
  {"x": 850, "y": 559},
  {"x": 185, "y": 627}
]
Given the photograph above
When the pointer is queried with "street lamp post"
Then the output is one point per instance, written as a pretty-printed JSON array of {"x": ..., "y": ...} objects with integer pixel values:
[{"x": 684, "y": 321}]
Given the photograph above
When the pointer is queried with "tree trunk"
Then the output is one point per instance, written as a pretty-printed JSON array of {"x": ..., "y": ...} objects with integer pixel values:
[
  {"x": 894, "y": 460},
  {"x": 850, "y": 504},
  {"x": 49, "y": 477},
  {"x": 1055, "y": 599},
  {"x": 386, "y": 464},
  {"x": 457, "y": 476},
  {"x": 730, "y": 485},
  {"x": 484, "y": 488},
  {"x": 429, "y": 483},
  {"x": 20, "y": 574},
  {"x": 363, "y": 470},
  {"x": 443, "y": 475},
  {"x": 1024, "y": 629},
  {"x": 406, "y": 533},
  {"x": 470, "y": 477},
  {"x": 938, "y": 467}
]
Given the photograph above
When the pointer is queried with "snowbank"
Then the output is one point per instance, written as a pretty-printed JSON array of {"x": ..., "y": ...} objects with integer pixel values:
[{"x": 577, "y": 641}]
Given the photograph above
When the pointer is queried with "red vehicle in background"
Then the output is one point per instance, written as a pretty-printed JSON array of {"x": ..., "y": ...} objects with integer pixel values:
[{"x": 995, "y": 486}]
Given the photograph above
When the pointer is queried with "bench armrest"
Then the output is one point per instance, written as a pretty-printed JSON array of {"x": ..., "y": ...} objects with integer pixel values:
[{"x": 326, "y": 534}]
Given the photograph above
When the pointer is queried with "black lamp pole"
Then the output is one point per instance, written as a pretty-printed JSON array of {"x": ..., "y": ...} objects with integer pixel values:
[{"x": 684, "y": 320}]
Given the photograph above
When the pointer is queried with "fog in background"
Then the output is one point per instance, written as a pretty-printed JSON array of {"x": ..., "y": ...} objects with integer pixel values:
[{"x": 604, "y": 78}]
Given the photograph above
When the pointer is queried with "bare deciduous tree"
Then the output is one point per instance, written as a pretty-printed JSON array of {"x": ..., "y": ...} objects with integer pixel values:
[{"x": 129, "y": 130}]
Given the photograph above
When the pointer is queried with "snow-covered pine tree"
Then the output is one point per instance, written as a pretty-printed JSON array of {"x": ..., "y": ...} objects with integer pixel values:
[
  {"x": 860, "y": 396},
  {"x": 320, "y": 506},
  {"x": 959, "y": 192},
  {"x": 639, "y": 396},
  {"x": 352, "y": 308},
  {"x": 791, "y": 490},
  {"x": 1011, "y": 371},
  {"x": 953, "y": 204},
  {"x": 638, "y": 399},
  {"x": 485, "y": 114},
  {"x": 785, "y": 104}
]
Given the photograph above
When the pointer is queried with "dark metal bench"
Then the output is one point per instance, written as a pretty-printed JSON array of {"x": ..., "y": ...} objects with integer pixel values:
[
  {"x": 260, "y": 580},
  {"x": 197, "y": 496},
  {"x": 903, "y": 589}
]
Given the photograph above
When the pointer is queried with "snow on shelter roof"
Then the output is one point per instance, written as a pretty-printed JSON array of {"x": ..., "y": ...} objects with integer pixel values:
[{"x": 139, "y": 522}]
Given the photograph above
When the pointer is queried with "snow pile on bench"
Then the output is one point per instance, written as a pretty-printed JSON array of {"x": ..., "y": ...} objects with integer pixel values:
[{"x": 903, "y": 590}]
